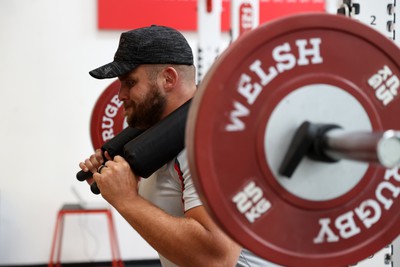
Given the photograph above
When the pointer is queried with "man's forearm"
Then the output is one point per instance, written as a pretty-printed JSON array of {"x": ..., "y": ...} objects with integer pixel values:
[{"x": 184, "y": 241}]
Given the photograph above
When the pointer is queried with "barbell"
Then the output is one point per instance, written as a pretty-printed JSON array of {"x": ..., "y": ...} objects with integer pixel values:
[{"x": 293, "y": 141}]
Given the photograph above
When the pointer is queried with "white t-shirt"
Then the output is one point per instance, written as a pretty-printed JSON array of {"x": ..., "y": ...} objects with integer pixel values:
[{"x": 171, "y": 188}]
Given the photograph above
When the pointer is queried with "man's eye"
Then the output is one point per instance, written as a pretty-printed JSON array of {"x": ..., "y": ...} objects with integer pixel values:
[{"x": 130, "y": 84}]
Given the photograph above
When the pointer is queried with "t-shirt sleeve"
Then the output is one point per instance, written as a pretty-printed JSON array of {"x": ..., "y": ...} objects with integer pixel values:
[{"x": 190, "y": 197}]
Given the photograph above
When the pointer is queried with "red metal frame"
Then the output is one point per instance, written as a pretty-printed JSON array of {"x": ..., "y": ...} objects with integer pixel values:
[{"x": 58, "y": 235}]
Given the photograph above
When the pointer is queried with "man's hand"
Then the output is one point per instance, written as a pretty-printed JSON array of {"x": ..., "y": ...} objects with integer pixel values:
[
  {"x": 117, "y": 182},
  {"x": 93, "y": 163}
]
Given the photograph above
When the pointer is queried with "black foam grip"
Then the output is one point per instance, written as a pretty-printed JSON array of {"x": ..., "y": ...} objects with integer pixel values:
[
  {"x": 82, "y": 176},
  {"x": 159, "y": 144},
  {"x": 95, "y": 190},
  {"x": 114, "y": 147}
]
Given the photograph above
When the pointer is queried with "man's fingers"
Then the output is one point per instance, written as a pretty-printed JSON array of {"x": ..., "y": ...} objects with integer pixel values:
[
  {"x": 107, "y": 155},
  {"x": 96, "y": 159},
  {"x": 90, "y": 181},
  {"x": 100, "y": 168},
  {"x": 99, "y": 156},
  {"x": 119, "y": 159},
  {"x": 92, "y": 164},
  {"x": 83, "y": 167}
]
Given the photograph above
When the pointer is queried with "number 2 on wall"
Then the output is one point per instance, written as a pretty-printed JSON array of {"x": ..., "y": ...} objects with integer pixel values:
[{"x": 373, "y": 20}]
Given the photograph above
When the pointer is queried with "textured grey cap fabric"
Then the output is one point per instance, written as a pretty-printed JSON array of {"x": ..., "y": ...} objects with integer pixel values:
[{"x": 149, "y": 45}]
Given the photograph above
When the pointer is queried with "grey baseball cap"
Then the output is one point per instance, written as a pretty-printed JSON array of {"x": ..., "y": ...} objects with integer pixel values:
[{"x": 148, "y": 45}]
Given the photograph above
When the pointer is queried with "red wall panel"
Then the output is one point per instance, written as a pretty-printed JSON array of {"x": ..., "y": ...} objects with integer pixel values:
[{"x": 182, "y": 14}]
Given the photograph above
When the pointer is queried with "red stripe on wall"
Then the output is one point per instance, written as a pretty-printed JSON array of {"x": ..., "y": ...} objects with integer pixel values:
[{"x": 182, "y": 14}]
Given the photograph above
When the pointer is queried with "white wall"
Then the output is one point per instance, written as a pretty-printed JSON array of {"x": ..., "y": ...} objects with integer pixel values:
[{"x": 47, "y": 48}]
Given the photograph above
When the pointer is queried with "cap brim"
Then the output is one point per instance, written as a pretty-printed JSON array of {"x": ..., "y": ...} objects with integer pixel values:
[{"x": 112, "y": 70}]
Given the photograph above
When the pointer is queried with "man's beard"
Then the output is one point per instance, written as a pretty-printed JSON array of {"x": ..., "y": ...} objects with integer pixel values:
[{"x": 147, "y": 113}]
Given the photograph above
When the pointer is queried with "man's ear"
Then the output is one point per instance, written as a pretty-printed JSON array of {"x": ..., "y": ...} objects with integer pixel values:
[{"x": 170, "y": 76}]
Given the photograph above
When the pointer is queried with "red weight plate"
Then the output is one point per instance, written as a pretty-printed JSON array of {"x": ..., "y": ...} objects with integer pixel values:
[
  {"x": 318, "y": 67},
  {"x": 107, "y": 116}
]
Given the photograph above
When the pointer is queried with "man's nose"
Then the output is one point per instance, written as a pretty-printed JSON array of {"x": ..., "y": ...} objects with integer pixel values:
[{"x": 123, "y": 93}]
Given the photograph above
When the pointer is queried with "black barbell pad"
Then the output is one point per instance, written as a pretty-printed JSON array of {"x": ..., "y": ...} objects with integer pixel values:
[{"x": 159, "y": 144}]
